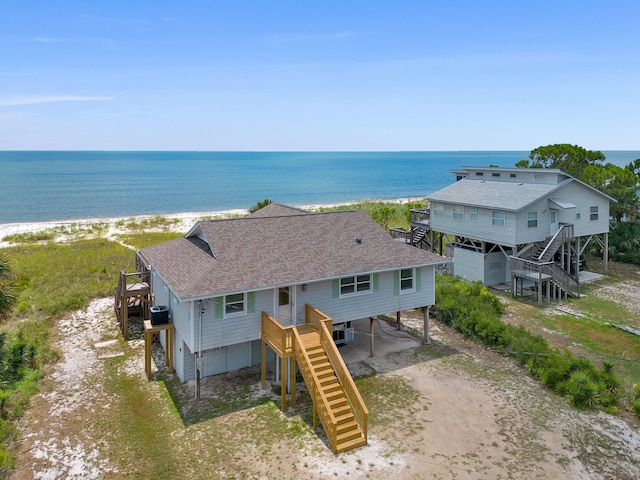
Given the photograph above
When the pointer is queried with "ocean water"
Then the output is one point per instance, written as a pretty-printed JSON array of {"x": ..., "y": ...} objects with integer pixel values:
[{"x": 43, "y": 186}]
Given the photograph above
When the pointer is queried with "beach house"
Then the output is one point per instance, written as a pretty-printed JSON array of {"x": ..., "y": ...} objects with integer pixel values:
[
  {"x": 510, "y": 225},
  {"x": 283, "y": 280}
]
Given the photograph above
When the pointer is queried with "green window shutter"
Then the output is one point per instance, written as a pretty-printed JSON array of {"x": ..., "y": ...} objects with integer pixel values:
[
  {"x": 336, "y": 288},
  {"x": 418, "y": 281},
  {"x": 219, "y": 307},
  {"x": 396, "y": 283},
  {"x": 251, "y": 301},
  {"x": 375, "y": 282}
]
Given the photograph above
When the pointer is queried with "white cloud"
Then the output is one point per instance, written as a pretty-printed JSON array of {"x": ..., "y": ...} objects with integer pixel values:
[{"x": 19, "y": 101}]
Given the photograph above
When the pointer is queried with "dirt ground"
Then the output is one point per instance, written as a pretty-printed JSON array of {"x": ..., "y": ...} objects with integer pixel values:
[{"x": 470, "y": 414}]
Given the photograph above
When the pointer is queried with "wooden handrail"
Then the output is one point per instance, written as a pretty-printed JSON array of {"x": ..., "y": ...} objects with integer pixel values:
[
  {"x": 279, "y": 338},
  {"x": 327, "y": 418},
  {"x": 342, "y": 372},
  {"x": 315, "y": 317}
]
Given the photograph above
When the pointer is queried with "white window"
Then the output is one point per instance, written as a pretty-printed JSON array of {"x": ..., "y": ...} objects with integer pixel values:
[
  {"x": 234, "y": 304},
  {"x": 355, "y": 285},
  {"x": 512, "y": 175},
  {"x": 458, "y": 212},
  {"x": 494, "y": 174},
  {"x": 593, "y": 213},
  {"x": 406, "y": 280},
  {"x": 474, "y": 213},
  {"x": 497, "y": 218},
  {"x": 479, "y": 174},
  {"x": 532, "y": 219},
  {"x": 577, "y": 213},
  {"x": 438, "y": 209}
]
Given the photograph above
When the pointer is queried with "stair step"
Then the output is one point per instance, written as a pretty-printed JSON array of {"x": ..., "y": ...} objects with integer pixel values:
[
  {"x": 346, "y": 426},
  {"x": 350, "y": 444},
  {"x": 348, "y": 435},
  {"x": 344, "y": 417},
  {"x": 339, "y": 402}
]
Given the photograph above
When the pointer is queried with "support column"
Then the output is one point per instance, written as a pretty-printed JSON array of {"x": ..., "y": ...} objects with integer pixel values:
[
  {"x": 606, "y": 253},
  {"x": 371, "y": 343},
  {"x": 292, "y": 376},
  {"x": 427, "y": 338},
  {"x": 398, "y": 320},
  {"x": 264, "y": 365},
  {"x": 283, "y": 382}
]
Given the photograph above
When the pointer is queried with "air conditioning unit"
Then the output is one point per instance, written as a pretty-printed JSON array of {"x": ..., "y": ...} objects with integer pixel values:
[{"x": 159, "y": 315}]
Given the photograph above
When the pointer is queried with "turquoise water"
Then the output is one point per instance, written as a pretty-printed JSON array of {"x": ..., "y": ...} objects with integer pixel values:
[{"x": 42, "y": 186}]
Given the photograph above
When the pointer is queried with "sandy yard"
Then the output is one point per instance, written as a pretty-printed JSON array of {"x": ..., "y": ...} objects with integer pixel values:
[{"x": 470, "y": 414}]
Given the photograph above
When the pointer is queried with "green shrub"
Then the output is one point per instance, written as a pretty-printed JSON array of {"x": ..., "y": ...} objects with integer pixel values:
[
  {"x": 636, "y": 407},
  {"x": 581, "y": 391},
  {"x": 474, "y": 311}
]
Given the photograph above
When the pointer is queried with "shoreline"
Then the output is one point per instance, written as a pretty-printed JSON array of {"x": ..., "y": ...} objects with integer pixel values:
[{"x": 185, "y": 219}]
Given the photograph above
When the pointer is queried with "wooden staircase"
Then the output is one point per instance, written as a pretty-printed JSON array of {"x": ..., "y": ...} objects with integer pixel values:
[{"x": 348, "y": 433}]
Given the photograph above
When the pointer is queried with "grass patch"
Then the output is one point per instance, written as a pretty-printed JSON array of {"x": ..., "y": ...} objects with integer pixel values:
[{"x": 143, "y": 240}]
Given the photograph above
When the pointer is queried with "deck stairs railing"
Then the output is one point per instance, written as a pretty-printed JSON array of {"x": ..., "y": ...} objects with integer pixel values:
[
  {"x": 543, "y": 271},
  {"x": 548, "y": 249},
  {"x": 335, "y": 397}
]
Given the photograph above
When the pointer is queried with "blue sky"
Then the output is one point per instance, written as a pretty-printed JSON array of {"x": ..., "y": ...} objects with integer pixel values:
[{"x": 324, "y": 75}]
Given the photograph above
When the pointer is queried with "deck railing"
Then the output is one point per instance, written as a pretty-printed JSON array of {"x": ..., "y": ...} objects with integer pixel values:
[
  {"x": 279, "y": 338},
  {"x": 421, "y": 216},
  {"x": 316, "y": 318},
  {"x": 320, "y": 401},
  {"x": 360, "y": 410},
  {"x": 539, "y": 271}
]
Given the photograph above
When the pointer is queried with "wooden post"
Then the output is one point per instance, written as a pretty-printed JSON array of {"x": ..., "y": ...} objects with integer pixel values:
[
  {"x": 283, "y": 382},
  {"x": 293, "y": 381},
  {"x": 125, "y": 311},
  {"x": 371, "y": 343},
  {"x": 427, "y": 339},
  {"x": 398, "y": 320},
  {"x": 264, "y": 365},
  {"x": 147, "y": 353},
  {"x": 605, "y": 254}
]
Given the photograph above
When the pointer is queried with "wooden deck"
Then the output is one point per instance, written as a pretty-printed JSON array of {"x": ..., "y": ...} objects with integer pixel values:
[{"x": 132, "y": 298}]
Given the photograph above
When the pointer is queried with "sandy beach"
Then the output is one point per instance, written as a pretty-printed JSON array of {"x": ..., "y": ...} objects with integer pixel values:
[{"x": 178, "y": 221}]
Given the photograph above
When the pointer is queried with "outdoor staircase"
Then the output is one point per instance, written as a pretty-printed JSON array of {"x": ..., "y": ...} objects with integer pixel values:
[
  {"x": 320, "y": 377},
  {"x": 418, "y": 236}
]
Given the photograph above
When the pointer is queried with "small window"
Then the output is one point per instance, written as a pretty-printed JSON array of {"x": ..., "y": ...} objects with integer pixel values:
[
  {"x": 497, "y": 218},
  {"x": 438, "y": 209},
  {"x": 355, "y": 285},
  {"x": 234, "y": 304},
  {"x": 458, "y": 212},
  {"x": 593, "y": 213},
  {"x": 479, "y": 174},
  {"x": 532, "y": 219},
  {"x": 512, "y": 175},
  {"x": 406, "y": 280},
  {"x": 474, "y": 213},
  {"x": 495, "y": 174},
  {"x": 577, "y": 213}
]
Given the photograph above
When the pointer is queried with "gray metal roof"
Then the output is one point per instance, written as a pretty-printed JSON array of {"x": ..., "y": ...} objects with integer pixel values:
[
  {"x": 219, "y": 257},
  {"x": 500, "y": 195}
]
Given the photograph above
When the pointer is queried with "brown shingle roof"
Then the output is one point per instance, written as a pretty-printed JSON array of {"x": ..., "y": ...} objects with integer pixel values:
[{"x": 252, "y": 253}]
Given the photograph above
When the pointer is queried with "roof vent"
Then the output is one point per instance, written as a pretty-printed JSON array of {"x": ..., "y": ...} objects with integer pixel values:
[{"x": 358, "y": 240}]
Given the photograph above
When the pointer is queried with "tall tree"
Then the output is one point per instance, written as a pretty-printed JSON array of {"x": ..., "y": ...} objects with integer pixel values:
[{"x": 571, "y": 159}]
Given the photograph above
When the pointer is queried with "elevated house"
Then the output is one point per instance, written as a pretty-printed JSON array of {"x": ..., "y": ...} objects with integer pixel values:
[
  {"x": 285, "y": 283},
  {"x": 512, "y": 225}
]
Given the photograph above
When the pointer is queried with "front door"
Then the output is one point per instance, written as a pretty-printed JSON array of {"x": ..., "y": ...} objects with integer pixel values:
[
  {"x": 285, "y": 305},
  {"x": 553, "y": 222}
]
